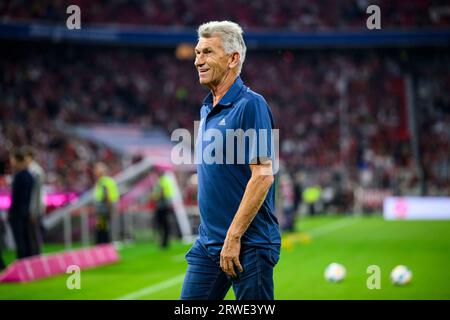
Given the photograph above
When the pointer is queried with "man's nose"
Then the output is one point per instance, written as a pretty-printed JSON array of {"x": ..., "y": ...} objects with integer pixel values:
[{"x": 199, "y": 60}]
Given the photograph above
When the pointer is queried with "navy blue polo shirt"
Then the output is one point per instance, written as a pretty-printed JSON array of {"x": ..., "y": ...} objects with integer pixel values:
[{"x": 223, "y": 168}]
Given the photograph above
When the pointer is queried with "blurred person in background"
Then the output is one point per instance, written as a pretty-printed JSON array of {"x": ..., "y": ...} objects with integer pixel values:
[
  {"x": 3, "y": 160},
  {"x": 19, "y": 211},
  {"x": 287, "y": 198},
  {"x": 162, "y": 194},
  {"x": 298, "y": 193},
  {"x": 311, "y": 197},
  {"x": 37, "y": 205},
  {"x": 2, "y": 263},
  {"x": 106, "y": 195},
  {"x": 2, "y": 237}
]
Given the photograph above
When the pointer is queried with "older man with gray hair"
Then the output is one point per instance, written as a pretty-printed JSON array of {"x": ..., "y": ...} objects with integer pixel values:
[{"x": 239, "y": 238}]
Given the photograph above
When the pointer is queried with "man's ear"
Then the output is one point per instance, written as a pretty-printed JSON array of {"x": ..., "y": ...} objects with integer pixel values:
[{"x": 235, "y": 58}]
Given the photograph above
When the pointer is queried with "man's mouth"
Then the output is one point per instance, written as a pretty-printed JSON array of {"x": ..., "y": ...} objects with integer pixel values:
[{"x": 202, "y": 71}]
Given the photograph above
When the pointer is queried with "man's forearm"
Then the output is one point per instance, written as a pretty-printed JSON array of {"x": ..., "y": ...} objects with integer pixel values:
[{"x": 254, "y": 196}]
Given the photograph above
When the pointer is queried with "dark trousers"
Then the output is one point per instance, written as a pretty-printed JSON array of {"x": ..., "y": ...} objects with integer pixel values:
[
  {"x": 102, "y": 234},
  {"x": 162, "y": 224},
  {"x": 21, "y": 232},
  {"x": 35, "y": 236},
  {"x": 205, "y": 280},
  {"x": 2, "y": 263},
  {"x": 289, "y": 215},
  {"x": 2, "y": 231},
  {"x": 312, "y": 209}
]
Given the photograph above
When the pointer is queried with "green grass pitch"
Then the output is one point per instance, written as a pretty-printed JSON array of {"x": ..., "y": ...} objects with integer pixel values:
[{"x": 147, "y": 272}]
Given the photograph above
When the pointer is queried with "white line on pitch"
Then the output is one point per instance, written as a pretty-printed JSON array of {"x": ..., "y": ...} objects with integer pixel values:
[
  {"x": 330, "y": 227},
  {"x": 153, "y": 288}
]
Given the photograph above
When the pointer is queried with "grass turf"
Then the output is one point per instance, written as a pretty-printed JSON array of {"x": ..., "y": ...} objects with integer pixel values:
[{"x": 424, "y": 246}]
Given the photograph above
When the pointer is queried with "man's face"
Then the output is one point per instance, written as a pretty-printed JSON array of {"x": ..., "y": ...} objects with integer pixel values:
[
  {"x": 28, "y": 160},
  {"x": 16, "y": 165},
  {"x": 13, "y": 163},
  {"x": 211, "y": 61},
  {"x": 98, "y": 171}
]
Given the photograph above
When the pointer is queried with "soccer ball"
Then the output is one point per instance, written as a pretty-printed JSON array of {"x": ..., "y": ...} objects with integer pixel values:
[
  {"x": 401, "y": 275},
  {"x": 335, "y": 272}
]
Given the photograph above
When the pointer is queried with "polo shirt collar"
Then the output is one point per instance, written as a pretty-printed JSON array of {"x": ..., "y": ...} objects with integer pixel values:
[{"x": 229, "y": 97}]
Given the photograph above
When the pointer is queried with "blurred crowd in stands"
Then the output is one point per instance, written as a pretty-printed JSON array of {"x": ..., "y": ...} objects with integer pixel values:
[
  {"x": 297, "y": 15},
  {"x": 67, "y": 159},
  {"x": 343, "y": 115},
  {"x": 29, "y": 114}
]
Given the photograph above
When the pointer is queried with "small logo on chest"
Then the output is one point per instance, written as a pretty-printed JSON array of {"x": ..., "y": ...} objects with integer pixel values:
[{"x": 222, "y": 122}]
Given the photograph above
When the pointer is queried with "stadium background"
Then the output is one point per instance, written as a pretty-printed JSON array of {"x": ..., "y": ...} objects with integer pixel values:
[{"x": 362, "y": 114}]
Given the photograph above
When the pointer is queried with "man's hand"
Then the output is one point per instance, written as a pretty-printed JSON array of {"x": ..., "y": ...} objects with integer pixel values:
[
  {"x": 254, "y": 195},
  {"x": 229, "y": 256}
]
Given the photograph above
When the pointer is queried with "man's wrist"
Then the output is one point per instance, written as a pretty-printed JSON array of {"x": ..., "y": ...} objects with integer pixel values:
[{"x": 236, "y": 236}]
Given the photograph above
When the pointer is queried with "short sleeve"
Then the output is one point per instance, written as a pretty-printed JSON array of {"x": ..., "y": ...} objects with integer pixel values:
[{"x": 257, "y": 124}]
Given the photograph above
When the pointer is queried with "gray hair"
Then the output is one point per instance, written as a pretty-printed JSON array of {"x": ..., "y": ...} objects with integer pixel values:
[{"x": 231, "y": 35}]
